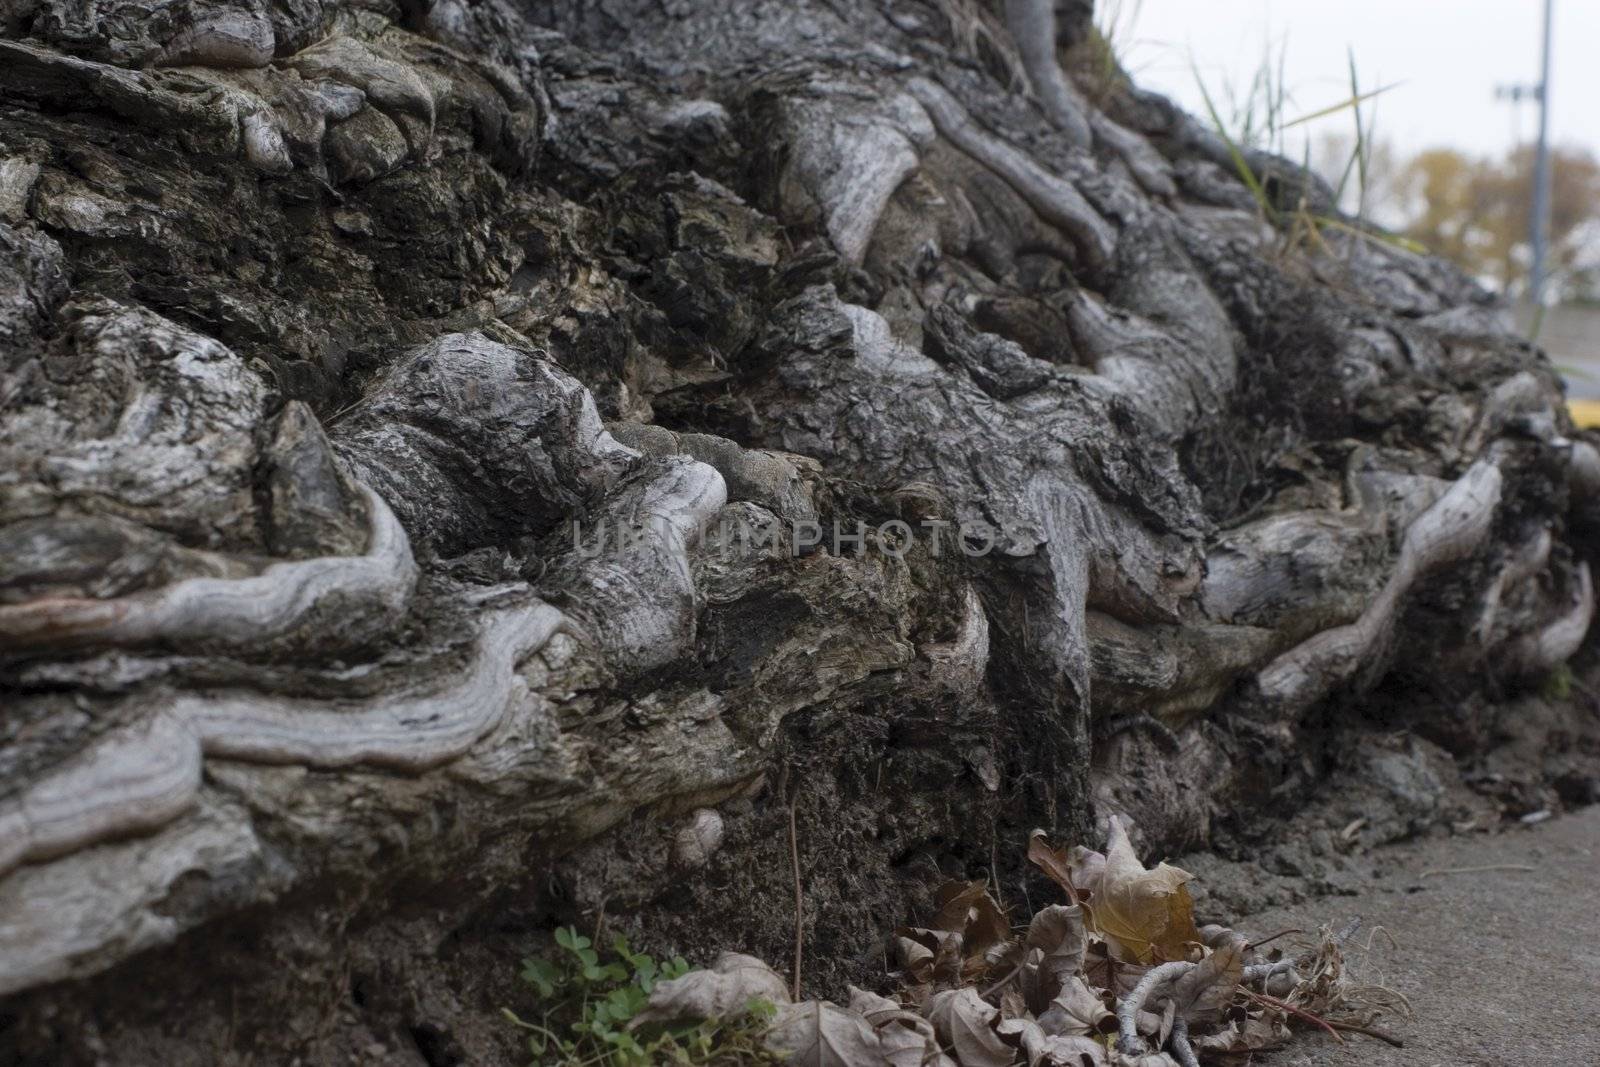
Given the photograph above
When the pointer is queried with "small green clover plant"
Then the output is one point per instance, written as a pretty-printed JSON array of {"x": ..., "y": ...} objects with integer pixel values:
[{"x": 588, "y": 1002}]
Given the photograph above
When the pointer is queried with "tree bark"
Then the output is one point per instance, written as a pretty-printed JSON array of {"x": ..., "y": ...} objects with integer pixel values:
[{"x": 410, "y": 415}]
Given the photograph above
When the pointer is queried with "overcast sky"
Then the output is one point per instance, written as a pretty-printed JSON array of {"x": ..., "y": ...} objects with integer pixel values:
[{"x": 1450, "y": 54}]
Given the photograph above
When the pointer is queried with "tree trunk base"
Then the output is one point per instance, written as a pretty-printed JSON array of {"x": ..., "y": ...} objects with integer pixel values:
[{"x": 463, "y": 471}]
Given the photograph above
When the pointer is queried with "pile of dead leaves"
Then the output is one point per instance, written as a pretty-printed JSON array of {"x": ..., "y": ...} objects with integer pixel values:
[{"x": 1120, "y": 975}]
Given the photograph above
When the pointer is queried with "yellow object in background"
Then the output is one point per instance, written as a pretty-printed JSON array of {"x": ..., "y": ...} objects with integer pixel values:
[{"x": 1586, "y": 413}]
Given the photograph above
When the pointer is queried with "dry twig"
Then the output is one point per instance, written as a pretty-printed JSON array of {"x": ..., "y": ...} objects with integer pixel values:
[{"x": 1478, "y": 870}]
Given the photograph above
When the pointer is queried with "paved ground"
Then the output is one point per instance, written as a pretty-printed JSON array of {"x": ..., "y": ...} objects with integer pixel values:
[
  {"x": 1570, "y": 335},
  {"x": 1502, "y": 967}
]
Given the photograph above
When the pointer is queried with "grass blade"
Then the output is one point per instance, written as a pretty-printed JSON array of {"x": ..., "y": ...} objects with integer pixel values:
[
  {"x": 1352, "y": 102},
  {"x": 1239, "y": 163}
]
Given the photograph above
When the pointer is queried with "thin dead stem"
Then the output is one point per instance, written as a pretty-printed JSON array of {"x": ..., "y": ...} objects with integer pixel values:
[
  {"x": 799, "y": 900},
  {"x": 1299, "y": 1013},
  {"x": 1274, "y": 937},
  {"x": 1369, "y": 1031}
]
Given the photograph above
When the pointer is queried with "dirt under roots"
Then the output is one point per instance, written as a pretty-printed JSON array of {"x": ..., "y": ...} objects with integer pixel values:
[{"x": 886, "y": 807}]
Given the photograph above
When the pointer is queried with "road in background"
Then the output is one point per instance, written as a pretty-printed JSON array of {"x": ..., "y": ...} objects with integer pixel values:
[
  {"x": 1501, "y": 966},
  {"x": 1571, "y": 336}
]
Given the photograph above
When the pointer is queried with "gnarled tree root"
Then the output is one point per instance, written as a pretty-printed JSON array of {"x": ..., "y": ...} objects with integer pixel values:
[
  {"x": 137, "y": 780},
  {"x": 293, "y": 599}
]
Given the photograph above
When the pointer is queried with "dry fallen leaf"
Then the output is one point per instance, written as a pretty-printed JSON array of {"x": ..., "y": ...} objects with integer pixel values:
[
  {"x": 1103, "y": 971},
  {"x": 1257, "y": 1032},
  {"x": 915, "y": 959},
  {"x": 725, "y": 991},
  {"x": 1077, "y": 1011},
  {"x": 1163, "y": 1022},
  {"x": 1053, "y": 1008},
  {"x": 1046, "y": 1050},
  {"x": 1144, "y": 914},
  {"x": 962, "y": 904},
  {"x": 1012, "y": 1006},
  {"x": 1057, "y": 933},
  {"x": 902, "y": 1048},
  {"x": 1052, "y": 862},
  {"x": 1085, "y": 866},
  {"x": 965, "y": 1023},
  {"x": 908, "y": 1039},
  {"x": 1203, "y": 993},
  {"x": 819, "y": 1033},
  {"x": 880, "y": 1010},
  {"x": 967, "y": 909},
  {"x": 945, "y": 959},
  {"x": 1148, "y": 1059}
]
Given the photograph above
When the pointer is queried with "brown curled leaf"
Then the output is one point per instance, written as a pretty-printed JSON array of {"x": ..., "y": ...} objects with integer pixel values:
[
  {"x": 1053, "y": 862},
  {"x": 966, "y": 1024}
]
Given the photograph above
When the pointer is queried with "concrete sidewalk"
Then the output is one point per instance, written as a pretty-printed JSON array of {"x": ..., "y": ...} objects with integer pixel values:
[{"x": 1502, "y": 967}]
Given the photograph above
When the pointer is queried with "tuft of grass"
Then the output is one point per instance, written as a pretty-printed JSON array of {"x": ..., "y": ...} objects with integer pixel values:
[
  {"x": 586, "y": 1001},
  {"x": 1258, "y": 123},
  {"x": 1110, "y": 45},
  {"x": 1240, "y": 164}
]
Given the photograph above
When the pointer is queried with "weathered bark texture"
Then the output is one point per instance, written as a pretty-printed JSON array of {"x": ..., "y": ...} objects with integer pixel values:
[{"x": 387, "y": 388}]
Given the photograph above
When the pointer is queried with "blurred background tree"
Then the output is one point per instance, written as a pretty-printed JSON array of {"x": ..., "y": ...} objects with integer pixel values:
[
  {"x": 1407, "y": 136},
  {"x": 1475, "y": 211}
]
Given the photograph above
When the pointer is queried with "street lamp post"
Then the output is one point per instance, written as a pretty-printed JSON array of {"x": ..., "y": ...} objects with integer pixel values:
[
  {"x": 1541, "y": 172},
  {"x": 1539, "y": 222}
]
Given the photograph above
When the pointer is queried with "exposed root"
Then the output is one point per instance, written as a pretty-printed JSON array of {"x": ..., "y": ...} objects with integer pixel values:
[
  {"x": 1448, "y": 531},
  {"x": 1150, "y": 169},
  {"x": 295, "y": 599},
  {"x": 1178, "y": 1041},
  {"x": 1056, "y": 201},
  {"x": 1560, "y": 639},
  {"x": 134, "y": 783},
  {"x": 1260, "y": 972},
  {"x": 1128, "y": 1039},
  {"x": 1033, "y": 27},
  {"x": 628, "y": 581},
  {"x": 799, "y": 900},
  {"x": 975, "y": 31},
  {"x": 229, "y": 39},
  {"x": 138, "y": 780}
]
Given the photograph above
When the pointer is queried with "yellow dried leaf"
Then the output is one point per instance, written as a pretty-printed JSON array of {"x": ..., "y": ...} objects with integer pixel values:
[{"x": 1145, "y": 915}]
